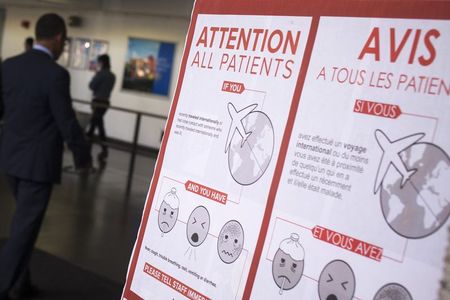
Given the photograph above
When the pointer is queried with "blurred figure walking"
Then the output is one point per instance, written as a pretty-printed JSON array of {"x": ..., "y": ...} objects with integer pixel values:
[
  {"x": 101, "y": 85},
  {"x": 38, "y": 117}
]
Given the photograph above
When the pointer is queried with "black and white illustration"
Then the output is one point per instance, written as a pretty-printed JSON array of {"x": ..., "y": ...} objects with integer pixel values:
[
  {"x": 412, "y": 178},
  {"x": 393, "y": 291},
  {"x": 337, "y": 281},
  {"x": 197, "y": 227},
  {"x": 391, "y": 156},
  {"x": 288, "y": 263},
  {"x": 168, "y": 211},
  {"x": 250, "y": 150},
  {"x": 230, "y": 241}
]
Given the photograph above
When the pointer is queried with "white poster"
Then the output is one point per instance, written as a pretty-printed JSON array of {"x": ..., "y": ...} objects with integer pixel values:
[
  {"x": 362, "y": 207},
  {"x": 205, "y": 216}
]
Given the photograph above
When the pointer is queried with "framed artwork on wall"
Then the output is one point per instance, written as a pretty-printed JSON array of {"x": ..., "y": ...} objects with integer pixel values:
[
  {"x": 80, "y": 53},
  {"x": 148, "y": 66},
  {"x": 64, "y": 59},
  {"x": 97, "y": 48}
]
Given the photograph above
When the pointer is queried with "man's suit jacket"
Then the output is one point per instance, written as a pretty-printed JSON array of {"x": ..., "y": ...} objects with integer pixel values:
[{"x": 38, "y": 117}]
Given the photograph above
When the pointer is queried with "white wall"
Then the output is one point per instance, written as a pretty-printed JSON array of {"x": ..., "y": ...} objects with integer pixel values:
[{"x": 115, "y": 28}]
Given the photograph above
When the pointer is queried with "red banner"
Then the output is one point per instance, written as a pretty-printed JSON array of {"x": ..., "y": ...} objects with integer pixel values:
[
  {"x": 378, "y": 109},
  {"x": 233, "y": 87},
  {"x": 173, "y": 283},
  {"x": 348, "y": 243},
  {"x": 206, "y": 192}
]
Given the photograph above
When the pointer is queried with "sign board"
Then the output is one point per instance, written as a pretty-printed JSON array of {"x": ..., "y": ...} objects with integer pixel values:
[{"x": 306, "y": 155}]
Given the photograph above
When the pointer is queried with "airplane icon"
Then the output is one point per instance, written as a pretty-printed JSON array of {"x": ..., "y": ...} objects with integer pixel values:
[
  {"x": 391, "y": 156},
  {"x": 236, "y": 123}
]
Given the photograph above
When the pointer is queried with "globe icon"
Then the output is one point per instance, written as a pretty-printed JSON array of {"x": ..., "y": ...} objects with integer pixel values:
[
  {"x": 421, "y": 206},
  {"x": 248, "y": 162}
]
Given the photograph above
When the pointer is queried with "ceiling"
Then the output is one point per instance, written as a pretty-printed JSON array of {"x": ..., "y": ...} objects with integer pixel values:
[{"x": 167, "y": 8}]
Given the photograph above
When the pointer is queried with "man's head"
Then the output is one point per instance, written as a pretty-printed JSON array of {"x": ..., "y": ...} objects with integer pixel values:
[
  {"x": 51, "y": 33},
  {"x": 29, "y": 41}
]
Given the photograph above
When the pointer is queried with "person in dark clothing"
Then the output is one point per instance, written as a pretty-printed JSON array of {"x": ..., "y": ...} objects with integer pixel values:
[
  {"x": 29, "y": 42},
  {"x": 38, "y": 117},
  {"x": 101, "y": 85},
  {"x": 1, "y": 98}
]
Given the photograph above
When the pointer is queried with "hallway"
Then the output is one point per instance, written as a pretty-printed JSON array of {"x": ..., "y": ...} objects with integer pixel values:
[{"x": 90, "y": 223}]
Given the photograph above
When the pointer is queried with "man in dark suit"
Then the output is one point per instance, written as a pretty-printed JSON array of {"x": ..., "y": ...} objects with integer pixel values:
[
  {"x": 38, "y": 116},
  {"x": 1, "y": 98}
]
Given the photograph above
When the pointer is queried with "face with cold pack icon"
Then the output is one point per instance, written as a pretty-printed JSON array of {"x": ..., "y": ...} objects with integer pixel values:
[
  {"x": 337, "y": 281},
  {"x": 198, "y": 226},
  {"x": 230, "y": 241},
  {"x": 288, "y": 263},
  {"x": 168, "y": 211}
]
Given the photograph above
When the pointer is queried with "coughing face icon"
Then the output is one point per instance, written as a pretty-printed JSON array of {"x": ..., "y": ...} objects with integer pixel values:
[
  {"x": 230, "y": 241},
  {"x": 337, "y": 281},
  {"x": 198, "y": 226},
  {"x": 168, "y": 211},
  {"x": 288, "y": 262}
]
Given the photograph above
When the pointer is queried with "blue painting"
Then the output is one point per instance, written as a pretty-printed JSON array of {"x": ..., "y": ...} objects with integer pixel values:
[{"x": 148, "y": 66}]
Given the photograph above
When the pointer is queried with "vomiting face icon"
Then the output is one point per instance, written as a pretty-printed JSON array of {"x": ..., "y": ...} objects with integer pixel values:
[
  {"x": 392, "y": 291},
  {"x": 168, "y": 211},
  {"x": 230, "y": 241},
  {"x": 288, "y": 263}
]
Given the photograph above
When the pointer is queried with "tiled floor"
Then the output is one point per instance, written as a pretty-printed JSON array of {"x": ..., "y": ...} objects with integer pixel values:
[{"x": 90, "y": 222}]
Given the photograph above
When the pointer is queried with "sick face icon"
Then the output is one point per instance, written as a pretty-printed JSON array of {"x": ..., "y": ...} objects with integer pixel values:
[
  {"x": 198, "y": 226},
  {"x": 230, "y": 241},
  {"x": 393, "y": 291},
  {"x": 288, "y": 263},
  {"x": 168, "y": 211},
  {"x": 337, "y": 281}
]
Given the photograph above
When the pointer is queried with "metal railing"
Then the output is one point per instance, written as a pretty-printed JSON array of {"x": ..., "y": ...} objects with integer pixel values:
[{"x": 137, "y": 128}]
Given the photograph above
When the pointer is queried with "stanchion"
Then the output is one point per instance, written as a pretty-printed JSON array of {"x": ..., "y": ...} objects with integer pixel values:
[{"x": 137, "y": 127}]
